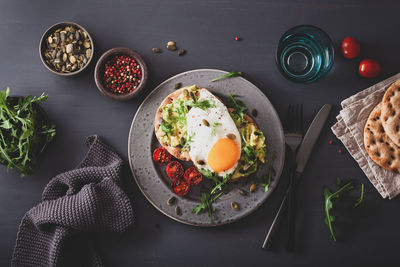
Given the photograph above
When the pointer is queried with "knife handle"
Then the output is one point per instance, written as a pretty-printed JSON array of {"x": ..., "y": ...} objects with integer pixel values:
[{"x": 290, "y": 244}]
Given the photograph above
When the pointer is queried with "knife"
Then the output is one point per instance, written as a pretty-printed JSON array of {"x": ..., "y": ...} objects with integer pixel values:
[{"x": 302, "y": 156}]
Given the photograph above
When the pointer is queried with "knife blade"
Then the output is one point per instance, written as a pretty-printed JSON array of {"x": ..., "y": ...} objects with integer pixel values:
[
  {"x": 311, "y": 136},
  {"x": 302, "y": 156},
  {"x": 309, "y": 139}
]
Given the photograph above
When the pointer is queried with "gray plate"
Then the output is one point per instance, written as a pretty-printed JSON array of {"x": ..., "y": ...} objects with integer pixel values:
[{"x": 151, "y": 178}]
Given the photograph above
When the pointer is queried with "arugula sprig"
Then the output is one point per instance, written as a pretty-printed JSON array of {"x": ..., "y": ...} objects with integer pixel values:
[
  {"x": 330, "y": 198},
  {"x": 228, "y": 75},
  {"x": 187, "y": 143},
  {"x": 238, "y": 106},
  {"x": 266, "y": 180},
  {"x": 360, "y": 199},
  {"x": 214, "y": 127},
  {"x": 203, "y": 104},
  {"x": 208, "y": 198},
  {"x": 206, "y": 204},
  {"x": 22, "y": 131}
]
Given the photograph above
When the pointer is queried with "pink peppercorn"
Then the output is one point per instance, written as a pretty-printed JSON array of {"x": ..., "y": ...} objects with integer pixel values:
[{"x": 122, "y": 74}]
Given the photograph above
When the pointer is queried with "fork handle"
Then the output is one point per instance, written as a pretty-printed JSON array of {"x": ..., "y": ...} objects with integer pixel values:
[
  {"x": 275, "y": 223},
  {"x": 290, "y": 244}
]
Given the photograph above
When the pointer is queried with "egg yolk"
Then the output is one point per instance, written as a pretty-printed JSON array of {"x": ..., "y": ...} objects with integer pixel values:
[{"x": 223, "y": 155}]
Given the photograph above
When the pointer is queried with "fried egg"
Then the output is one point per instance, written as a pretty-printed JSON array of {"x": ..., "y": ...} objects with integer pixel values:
[{"x": 215, "y": 140}]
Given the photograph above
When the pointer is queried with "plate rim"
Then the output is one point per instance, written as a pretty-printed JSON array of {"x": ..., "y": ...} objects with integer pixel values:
[{"x": 212, "y": 224}]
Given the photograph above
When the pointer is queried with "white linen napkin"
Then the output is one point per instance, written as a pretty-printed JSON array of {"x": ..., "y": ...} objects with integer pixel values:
[{"x": 350, "y": 130}]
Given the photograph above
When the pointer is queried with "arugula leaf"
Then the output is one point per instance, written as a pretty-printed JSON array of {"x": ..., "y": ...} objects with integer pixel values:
[
  {"x": 228, "y": 75},
  {"x": 210, "y": 197},
  {"x": 218, "y": 186},
  {"x": 202, "y": 104},
  {"x": 187, "y": 143},
  {"x": 238, "y": 106},
  {"x": 266, "y": 181},
  {"x": 329, "y": 200},
  {"x": 214, "y": 127},
  {"x": 206, "y": 204},
  {"x": 166, "y": 127},
  {"x": 22, "y": 131},
  {"x": 210, "y": 175},
  {"x": 249, "y": 152},
  {"x": 360, "y": 199}
]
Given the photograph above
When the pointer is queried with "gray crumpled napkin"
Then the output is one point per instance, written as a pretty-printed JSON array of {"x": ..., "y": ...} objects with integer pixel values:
[
  {"x": 76, "y": 205},
  {"x": 350, "y": 130}
]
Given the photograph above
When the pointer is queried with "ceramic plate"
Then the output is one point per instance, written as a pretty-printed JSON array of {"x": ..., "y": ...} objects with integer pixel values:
[{"x": 151, "y": 178}]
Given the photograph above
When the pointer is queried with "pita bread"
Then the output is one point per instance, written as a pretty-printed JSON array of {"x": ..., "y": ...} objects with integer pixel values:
[
  {"x": 378, "y": 145},
  {"x": 391, "y": 112}
]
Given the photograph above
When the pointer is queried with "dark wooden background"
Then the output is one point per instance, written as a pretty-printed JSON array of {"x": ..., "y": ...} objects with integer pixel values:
[{"x": 206, "y": 29}]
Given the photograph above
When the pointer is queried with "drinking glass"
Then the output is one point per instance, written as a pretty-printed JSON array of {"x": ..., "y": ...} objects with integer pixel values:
[{"x": 304, "y": 54}]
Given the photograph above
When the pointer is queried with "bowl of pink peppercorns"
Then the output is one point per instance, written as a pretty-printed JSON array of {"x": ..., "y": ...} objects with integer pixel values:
[{"x": 120, "y": 73}]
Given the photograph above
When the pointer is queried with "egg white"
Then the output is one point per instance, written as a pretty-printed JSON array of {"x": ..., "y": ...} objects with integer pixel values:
[{"x": 202, "y": 137}]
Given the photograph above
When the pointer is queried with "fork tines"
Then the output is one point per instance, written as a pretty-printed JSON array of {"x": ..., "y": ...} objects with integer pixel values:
[{"x": 294, "y": 122}]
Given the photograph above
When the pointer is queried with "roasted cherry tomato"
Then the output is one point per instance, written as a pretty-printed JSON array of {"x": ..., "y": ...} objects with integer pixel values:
[
  {"x": 180, "y": 187},
  {"x": 193, "y": 176},
  {"x": 350, "y": 47},
  {"x": 161, "y": 155},
  {"x": 174, "y": 170},
  {"x": 369, "y": 68}
]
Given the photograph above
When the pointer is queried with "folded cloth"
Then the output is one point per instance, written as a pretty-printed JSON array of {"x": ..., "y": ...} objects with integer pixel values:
[
  {"x": 76, "y": 205},
  {"x": 350, "y": 130}
]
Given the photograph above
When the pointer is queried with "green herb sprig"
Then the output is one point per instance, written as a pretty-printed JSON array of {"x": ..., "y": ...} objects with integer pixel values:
[
  {"x": 208, "y": 198},
  {"x": 202, "y": 104},
  {"x": 238, "y": 106},
  {"x": 214, "y": 127},
  {"x": 187, "y": 143},
  {"x": 22, "y": 131},
  {"x": 360, "y": 199},
  {"x": 330, "y": 197},
  {"x": 228, "y": 75},
  {"x": 266, "y": 180},
  {"x": 206, "y": 204}
]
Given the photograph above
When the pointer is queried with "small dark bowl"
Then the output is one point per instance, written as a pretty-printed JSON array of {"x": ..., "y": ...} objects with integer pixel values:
[
  {"x": 99, "y": 69},
  {"x": 42, "y": 47}
]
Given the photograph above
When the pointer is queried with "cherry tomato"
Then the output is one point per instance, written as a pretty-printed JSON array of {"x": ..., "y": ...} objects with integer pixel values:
[
  {"x": 161, "y": 155},
  {"x": 180, "y": 187},
  {"x": 369, "y": 68},
  {"x": 174, "y": 170},
  {"x": 193, "y": 176},
  {"x": 350, "y": 47}
]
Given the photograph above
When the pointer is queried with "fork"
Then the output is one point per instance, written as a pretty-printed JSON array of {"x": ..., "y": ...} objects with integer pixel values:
[{"x": 293, "y": 138}]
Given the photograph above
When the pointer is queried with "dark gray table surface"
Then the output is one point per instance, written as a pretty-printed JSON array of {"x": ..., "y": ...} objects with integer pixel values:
[{"x": 367, "y": 236}]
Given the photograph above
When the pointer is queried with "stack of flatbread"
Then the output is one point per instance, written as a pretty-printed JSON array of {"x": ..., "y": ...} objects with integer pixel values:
[
  {"x": 382, "y": 130},
  {"x": 369, "y": 127}
]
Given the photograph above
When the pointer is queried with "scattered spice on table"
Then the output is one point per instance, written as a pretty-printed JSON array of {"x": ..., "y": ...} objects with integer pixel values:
[
  {"x": 181, "y": 52},
  {"x": 171, "y": 45},
  {"x": 330, "y": 142},
  {"x": 122, "y": 74},
  {"x": 237, "y": 38}
]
